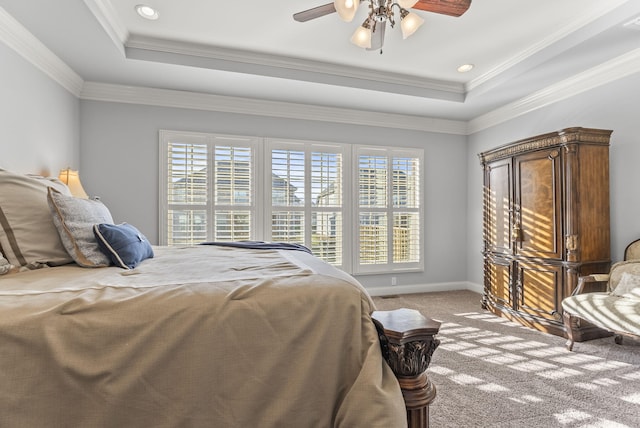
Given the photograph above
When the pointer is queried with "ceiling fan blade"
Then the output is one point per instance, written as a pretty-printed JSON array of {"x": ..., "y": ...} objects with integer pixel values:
[
  {"x": 377, "y": 38},
  {"x": 316, "y": 12},
  {"x": 445, "y": 7}
]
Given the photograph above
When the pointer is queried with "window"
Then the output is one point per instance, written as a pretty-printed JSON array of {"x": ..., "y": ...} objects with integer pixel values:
[
  {"x": 358, "y": 208},
  {"x": 389, "y": 209}
]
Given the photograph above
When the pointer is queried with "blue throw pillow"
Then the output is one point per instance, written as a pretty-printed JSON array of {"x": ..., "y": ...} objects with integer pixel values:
[{"x": 123, "y": 244}]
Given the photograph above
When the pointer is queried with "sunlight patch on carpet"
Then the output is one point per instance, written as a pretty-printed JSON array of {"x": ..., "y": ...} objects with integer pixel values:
[
  {"x": 605, "y": 365},
  {"x": 633, "y": 398},
  {"x": 480, "y": 352},
  {"x": 533, "y": 366},
  {"x": 547, "y": 352},
  {"x": 464, "y": 379},
  {"x": 560, "y": 373},
  {"x": 571, "y": 416},
  {"x": 506, "y": 358},
  {"x": 493, "y": 387},
  {"x": 519, "y": 346},
  {"x": 630, "y": 376}
]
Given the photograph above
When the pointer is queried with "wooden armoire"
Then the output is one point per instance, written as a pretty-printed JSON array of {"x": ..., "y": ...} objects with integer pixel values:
[{"x": 546, "y": 222}]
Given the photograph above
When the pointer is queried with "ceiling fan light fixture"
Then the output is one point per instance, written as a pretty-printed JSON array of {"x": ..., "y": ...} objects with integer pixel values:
[
  {"x": 362, "y": 36},
  {"x": 346, "y": 9},
  {"x": 409, "y": 23},
  {"x": 406, "y": 4}
]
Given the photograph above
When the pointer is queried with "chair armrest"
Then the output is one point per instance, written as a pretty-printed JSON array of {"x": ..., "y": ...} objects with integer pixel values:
[{"x": 591, "y": 283}]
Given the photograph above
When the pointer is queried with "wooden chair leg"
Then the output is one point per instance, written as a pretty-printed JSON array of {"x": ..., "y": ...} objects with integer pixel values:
[{"x": 568, "y": 326}]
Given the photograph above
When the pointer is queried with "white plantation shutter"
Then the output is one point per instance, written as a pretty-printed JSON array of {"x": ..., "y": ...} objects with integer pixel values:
[
  {"x": 187, "y": 194},
  {"x": 234, "y": 188},
  {"x": 389, "y": 209},
  {"x": 208, "y": 188},
  {"x": 306, "y": 196},
  {"x": 327, "y": 212},
  {"x": 233, "y": 185}
]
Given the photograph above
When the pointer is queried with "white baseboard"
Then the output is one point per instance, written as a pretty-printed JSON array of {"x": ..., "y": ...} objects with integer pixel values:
[{"x": 425, "y": 288}]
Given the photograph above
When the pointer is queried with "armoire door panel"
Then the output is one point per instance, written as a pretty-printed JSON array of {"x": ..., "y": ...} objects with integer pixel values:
[
  {"x": 498, "y": 204},
  {"x": 537, "y": 288},
  {"x": 499, "y": 282},
  {"x": 538, "y": 205}
]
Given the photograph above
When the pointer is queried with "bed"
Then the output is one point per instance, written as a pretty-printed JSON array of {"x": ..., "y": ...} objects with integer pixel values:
[{"x": 122, "y": 333}]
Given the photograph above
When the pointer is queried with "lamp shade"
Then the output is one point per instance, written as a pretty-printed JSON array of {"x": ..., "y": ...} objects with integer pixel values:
[
  {"x": 410, "y": 23},
  {"x": 72, "y": 179},
  {"x": 406, "y": 4},
  {"x": 346, "y": 9},
  {"x": 362, "y": 36}
]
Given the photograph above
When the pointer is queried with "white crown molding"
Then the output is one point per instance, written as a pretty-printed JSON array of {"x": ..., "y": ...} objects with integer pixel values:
[
  {"x": 18, "y": 38},
  {"x": 564, "y": 31},
  {"x": 617, "y": 68},
  {"x": 190, "y": 100},
  {"x": 192, "y": 54},
  {"x": 108, "y": 18}
]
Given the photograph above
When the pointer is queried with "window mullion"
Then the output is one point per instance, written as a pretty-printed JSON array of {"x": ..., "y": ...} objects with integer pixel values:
[{"x": 390, "y": 212}]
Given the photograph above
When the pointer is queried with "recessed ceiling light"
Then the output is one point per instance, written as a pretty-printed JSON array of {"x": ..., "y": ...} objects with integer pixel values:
[
  {"x": 147, "y": 12},
  {"x": 465, "y": 68}
]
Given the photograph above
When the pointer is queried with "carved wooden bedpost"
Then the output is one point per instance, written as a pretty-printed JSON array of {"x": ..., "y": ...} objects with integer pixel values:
[{"x": 411, "y": 344}]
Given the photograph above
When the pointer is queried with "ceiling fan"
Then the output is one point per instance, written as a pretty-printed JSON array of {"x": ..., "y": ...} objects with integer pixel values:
[{"x": 370, "y": 35}]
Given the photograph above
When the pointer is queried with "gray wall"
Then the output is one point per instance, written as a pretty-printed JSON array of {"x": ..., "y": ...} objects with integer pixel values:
[
  {"x": 39, "y": 119},
  {"x": 119, "y": 161},
  {"x": 613, "y": 106}
]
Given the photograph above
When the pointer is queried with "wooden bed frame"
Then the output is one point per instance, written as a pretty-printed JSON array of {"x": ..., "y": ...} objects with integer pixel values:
[{"x": 408, "y": 341}]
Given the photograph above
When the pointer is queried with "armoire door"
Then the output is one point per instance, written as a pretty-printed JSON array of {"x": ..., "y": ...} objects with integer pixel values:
[
  {"x": 537, "y": 288},
  {"x": 498, "y": 274},
  {"x": 538, "y": 205},
  {"x": 498, "y": 200}
]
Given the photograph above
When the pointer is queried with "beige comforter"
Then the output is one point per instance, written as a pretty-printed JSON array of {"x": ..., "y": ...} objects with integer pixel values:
[{"x": 195, "y": 337}]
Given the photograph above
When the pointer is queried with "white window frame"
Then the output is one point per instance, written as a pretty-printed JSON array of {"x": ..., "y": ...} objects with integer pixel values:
[
  {"x": 309, "y": 147},
  {"x": 389, "y": 210},
  {"x": 262, "y": 208}
]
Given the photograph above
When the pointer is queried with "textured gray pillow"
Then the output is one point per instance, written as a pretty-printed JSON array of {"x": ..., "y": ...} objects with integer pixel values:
[
  {"x": 28, "y": 236},
  {"x": 74, "y": 218}
]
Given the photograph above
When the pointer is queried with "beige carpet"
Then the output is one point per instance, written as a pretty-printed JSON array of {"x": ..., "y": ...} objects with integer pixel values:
[{"x": 490, "y": 372}]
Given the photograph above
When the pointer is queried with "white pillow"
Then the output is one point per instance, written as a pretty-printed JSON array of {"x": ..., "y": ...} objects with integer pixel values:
[
  {"x": 74, "y": 218},
  {"x": 28, "y": 236},
  {"x": 628, "y": 286}
]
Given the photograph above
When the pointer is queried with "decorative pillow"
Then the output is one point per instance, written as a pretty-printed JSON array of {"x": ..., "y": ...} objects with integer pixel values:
[
  {"x": 74, "y": 218},
  {"x": 123, "y": 244},
  {"x": 28, "y": 236},
  {"x": 629, "y": 286}
]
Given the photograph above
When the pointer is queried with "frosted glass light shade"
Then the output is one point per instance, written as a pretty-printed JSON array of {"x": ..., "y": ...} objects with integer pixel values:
[
  {"x": 72, "y": 179},
  {"x": 346, "y": 9},
  {"x": 409, "y": 24},
  {"x": 406, "y": 4},
  {"x": 362, "y": 36}
]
